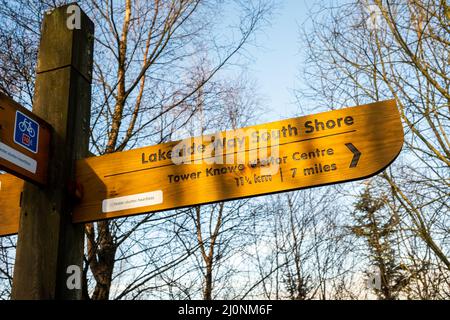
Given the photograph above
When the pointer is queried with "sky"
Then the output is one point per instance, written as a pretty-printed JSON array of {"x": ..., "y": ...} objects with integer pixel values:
[{"x": 277, "y": 60}]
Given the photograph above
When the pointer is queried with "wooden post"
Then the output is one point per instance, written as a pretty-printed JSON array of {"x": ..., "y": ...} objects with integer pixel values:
[{"x": 48, "y": 242}]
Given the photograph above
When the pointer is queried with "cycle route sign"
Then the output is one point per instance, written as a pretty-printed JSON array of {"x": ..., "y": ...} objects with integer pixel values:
[{"x": 24, "y": 142}]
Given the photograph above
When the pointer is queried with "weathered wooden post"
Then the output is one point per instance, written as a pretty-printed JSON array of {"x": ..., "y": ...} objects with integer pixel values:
[{"x": 48, "y": 241}]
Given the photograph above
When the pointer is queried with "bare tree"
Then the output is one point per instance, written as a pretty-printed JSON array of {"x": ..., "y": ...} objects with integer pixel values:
[
  {"x": 146, "y": 76},
  {"x": 7, "y": 246},
  {"x": 194, "y": 240},
  {"x": 366, "y": 51},
  {"x": 145, "y": 83},
  {"x": 216, "y": 230},
  {"x": 301, "y": 249}
]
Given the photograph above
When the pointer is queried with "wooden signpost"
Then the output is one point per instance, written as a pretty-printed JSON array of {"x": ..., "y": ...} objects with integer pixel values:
[
  {"x": 314, "y": 150},
  {"x": 24, "y": 142},
  {"x": 48, "y": 241}
]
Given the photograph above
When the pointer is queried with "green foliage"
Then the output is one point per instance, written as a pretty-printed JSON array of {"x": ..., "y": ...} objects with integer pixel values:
[{"x": 378, "y": 227}]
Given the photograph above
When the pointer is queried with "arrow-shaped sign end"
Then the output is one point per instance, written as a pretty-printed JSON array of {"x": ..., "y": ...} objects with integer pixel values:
[{"x": 356, "y": 154}]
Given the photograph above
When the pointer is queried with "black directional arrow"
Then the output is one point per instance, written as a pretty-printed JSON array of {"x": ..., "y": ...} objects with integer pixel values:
[{"x": 356, "y": 154}]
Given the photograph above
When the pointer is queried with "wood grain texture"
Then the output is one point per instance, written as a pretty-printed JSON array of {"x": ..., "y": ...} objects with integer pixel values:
[
  {"x": 10, "y": 190},
  {"x": 307, "y": 159},
  {"x": 376, "y": 133},
  {"x": 8, "y": 108},
  {"x": 48, "y": 242}
]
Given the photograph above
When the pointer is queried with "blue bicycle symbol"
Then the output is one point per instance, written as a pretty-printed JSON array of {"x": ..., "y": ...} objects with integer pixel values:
[{"x": 26, "y": 126}]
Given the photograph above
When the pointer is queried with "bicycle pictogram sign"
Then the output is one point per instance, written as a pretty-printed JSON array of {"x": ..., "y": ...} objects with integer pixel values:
[{"x": 26, "y": 132}]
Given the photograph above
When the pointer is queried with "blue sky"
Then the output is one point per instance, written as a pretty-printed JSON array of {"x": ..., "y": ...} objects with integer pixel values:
[{"x": 278, "y": 59}]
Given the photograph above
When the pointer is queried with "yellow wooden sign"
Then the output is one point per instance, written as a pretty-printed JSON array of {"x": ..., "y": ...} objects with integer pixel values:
[
  {"x": 325, "y": 148},
  {"x": 10, "y": 191}
]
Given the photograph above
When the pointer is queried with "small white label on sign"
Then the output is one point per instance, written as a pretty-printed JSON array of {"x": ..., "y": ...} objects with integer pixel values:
[
  {"x": 18, "y": 158},
  {"x": 133, "y": 201}
]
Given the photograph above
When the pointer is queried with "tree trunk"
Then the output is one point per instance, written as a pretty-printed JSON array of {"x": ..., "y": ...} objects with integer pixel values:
[
  {"x": 207, "y": 292},
  {"x": 101, "y": 258}
]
